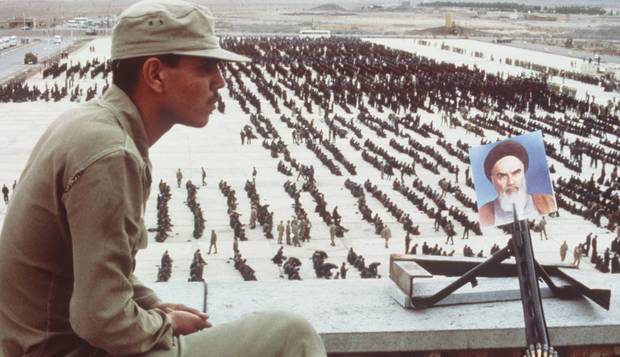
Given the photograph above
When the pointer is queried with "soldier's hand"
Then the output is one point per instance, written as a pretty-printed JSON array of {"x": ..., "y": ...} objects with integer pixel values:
[
  {"x": 170, "y": 307},
  {"x": 185, "y": 323}
]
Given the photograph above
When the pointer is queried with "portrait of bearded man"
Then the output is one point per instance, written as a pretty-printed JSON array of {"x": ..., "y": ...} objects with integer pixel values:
[{"x": 505, "y": 166}]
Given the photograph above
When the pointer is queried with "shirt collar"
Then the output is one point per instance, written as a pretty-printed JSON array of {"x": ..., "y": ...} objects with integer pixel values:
[{"x": 128, "y": 116}]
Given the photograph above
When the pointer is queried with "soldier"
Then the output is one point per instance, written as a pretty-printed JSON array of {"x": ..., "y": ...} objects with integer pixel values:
[
  {"x": 280, "y": 229},
  {"x": 5, "y": 193},
  {"x": 407, "y": 243},
  {"x": 254, "y": 174},
  {"x": 332, "y": 234},
  {"x": 308, "y": 227},
  {"x": 253, "y": 216},
  {"x": 542, "y": 226},
  {"x": 386, "y": 234},
  {"x": 179, "y": 178},
  {"x": 236, "y": 245},
  {"x": 450, "y": 238},
  {"x": 213, "y": 242},
  {"x": 288, "y": 232},
  {"x": 437, "y": 221},
  {"x": 204, "y": 176},
  {"x": 586, "y": 248},
  {"x": 577, "y": 255},
  {"x": 343, "y": 271},
  {"x": 465, "y": 232},
  {"x": 563, "y": 250}
]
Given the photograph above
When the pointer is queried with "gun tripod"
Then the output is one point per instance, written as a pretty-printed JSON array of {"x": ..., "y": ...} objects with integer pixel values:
[{"x": 528, "y": 271}]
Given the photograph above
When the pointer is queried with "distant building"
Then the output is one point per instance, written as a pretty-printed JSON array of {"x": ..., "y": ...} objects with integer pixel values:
[
  {"x": 315, "y": 33},
  {"x": 532, "y": 17},
  {"x": 449, "y": 22},
  {"x": 25, "y": 23}
]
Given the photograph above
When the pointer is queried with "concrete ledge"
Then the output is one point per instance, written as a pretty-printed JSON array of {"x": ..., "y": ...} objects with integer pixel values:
[
  {"x": 356, "y": 316},
  {"x": 191, "y": 294}
]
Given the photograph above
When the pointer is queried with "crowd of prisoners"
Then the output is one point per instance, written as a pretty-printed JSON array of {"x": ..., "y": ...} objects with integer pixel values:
[
  {"x": 344, "y": 97},
  {"x": 354, "y": 84},
  {"x": 365, "y": 78}
]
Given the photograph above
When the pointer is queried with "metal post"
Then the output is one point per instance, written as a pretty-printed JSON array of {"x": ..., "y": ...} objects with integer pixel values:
[{"x": 533, "y": 314}]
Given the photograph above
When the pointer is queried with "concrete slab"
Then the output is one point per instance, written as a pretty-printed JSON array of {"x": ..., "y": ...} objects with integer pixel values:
[
  {"x": 487, "y": 290},
  {"x": 361, "y": 316}
]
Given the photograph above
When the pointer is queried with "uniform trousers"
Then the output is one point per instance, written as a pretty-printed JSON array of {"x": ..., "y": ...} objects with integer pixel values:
[{"x": 260, "y": 334}]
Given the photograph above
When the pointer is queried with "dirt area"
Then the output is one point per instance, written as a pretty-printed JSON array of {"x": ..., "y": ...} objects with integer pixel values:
[{"x": 358, "y": 17}]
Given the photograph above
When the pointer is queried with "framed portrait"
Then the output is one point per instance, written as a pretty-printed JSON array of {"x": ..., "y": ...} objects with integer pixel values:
[{"x": 512, "y": 175}]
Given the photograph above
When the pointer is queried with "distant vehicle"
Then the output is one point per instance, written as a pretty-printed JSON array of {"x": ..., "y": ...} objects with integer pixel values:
[
  {"x": 503, "y": 40},
  {"x": 57, "y": 39},
  {"x": 25, "y": 28},
  {"x": 13, "y": 41},
  {"x": 4, "y": 43},
  {"x": 315, "y": 33},
  {"x": 78, "y": 22},
  {"x": 91, "y": 31},
  {"x": 30, "y": 58}
]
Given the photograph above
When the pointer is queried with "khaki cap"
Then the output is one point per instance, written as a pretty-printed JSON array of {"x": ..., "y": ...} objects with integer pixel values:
[{"x": 157, "y": 27}]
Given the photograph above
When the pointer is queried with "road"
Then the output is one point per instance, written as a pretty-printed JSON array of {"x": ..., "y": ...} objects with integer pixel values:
[{"x": 12, "y": 60}]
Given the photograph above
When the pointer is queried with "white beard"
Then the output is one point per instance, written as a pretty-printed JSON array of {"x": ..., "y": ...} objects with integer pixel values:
[{"x": 519, "y": 199}]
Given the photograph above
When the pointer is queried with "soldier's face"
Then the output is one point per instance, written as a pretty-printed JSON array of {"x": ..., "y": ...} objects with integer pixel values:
[
  {"x": 508, "y": 175},
  {"x": 192, "y": 91}
]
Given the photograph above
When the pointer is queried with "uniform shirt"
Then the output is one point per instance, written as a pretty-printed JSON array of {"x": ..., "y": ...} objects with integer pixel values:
[{"x": 68, "y": 244}]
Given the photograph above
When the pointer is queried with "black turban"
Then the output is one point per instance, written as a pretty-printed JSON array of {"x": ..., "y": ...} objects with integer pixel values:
[{"x": 501, "y": 150}]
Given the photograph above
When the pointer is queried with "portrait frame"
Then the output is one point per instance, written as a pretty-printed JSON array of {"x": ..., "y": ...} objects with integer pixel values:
[{"x": 537, "y": 179}]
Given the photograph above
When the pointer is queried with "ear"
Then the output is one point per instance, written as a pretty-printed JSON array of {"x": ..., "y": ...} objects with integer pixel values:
[{"x": 154, "y": 74}]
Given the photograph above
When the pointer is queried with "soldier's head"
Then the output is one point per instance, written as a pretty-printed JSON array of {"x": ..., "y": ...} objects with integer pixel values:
[{"x": 162, "y": 50}]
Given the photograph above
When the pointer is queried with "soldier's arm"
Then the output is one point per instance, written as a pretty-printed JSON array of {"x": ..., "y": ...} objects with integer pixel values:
[
  {"x": 143, "y": 295},
  {"x": 104, "y": 215}
]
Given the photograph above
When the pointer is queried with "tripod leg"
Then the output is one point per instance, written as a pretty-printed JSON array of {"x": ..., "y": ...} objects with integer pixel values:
[{"x": 469, "y": 277}]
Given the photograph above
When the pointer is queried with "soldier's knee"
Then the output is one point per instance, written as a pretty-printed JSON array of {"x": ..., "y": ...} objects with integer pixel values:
[
  {"x": 291, "y": 324},
  {"x": 301, "y": 338},
  {"x": 297, "y": 323}
]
